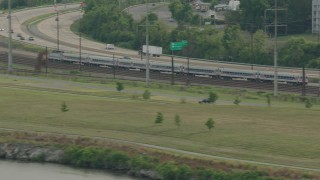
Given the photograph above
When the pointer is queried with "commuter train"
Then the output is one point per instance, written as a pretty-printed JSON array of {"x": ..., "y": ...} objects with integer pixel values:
[{"x": 165, "y": 67}]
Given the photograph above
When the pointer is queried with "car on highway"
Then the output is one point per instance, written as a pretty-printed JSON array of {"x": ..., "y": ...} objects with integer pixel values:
[
  {"x": 31, "y": 38},
  {"x": 171, "y": 20}
]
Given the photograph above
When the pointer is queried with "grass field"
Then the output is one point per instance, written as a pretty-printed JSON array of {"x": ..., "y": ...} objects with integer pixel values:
[{"x": 286, "y": 133}]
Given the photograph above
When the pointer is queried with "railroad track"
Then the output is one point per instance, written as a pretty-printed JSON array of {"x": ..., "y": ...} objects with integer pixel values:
[{"x": 27, "y": 63}]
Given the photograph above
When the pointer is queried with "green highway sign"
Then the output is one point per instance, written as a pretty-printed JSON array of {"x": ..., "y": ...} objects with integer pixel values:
[
  {"x": 184, "y": 42},
  {"x": 175, "y": 46}
]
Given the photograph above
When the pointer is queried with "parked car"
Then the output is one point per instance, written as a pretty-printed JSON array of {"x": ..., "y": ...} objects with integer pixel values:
[
  {"x": 19, "y": 35},
  {"x": 1, "y": 29},
  {"x": 22, "y": 38},
  {"x": 31, "y": 38},
  {"x": 205, "y": 101}
]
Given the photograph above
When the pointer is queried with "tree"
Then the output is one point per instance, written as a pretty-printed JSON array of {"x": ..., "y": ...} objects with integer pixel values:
[
  {"x": 293, "y": 53},
  {"x": 232, "y": 41},
  {"x": 253, "y": 13},
  {"x": 159, "y": 118},
  {"x": 299, "y": 16},
  {"x": 213, "y": 97},
  {"x": 146, "y": 95},
  {"x": 177, "y": 120},
  {"x": 64, "y": 107},
  {"x": 210, "y": 124},
  {"x": 315, "y": 63},
  {"x": 120, "y": 86}
]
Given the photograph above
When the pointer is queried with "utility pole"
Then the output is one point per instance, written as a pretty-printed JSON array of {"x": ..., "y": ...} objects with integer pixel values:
[
  {"x": 57, "y": 19},
  {"x": 303, "y": 93},
  {"x": 10, "y": 39},
  {"x": 46, "y": 60},
  {"x": 80, "y": 38},
  {"x": 275, "y": 91},
  {"x": 276, "y": 25},
  {"x": 147, "y": 44},
  {"x": 172, "y": 69},
  {"x": 80, "y": 44}
]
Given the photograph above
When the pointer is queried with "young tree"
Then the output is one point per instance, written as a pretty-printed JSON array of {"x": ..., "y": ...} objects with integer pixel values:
[
  {"x": 213, "y": 97},
  {"x": 308, "y": 103},
  {"x": 159, "y": 118},
  {"x": 269, "y": 100},
  {"x": 177, "y": 120},
  {"x": 146, "y": 95},
  {"x": 237, "y": 101},
  {"x": 120, "y": 86},
  {"x": 210, "y": 124},
  {"x": 64, "y": 107}
]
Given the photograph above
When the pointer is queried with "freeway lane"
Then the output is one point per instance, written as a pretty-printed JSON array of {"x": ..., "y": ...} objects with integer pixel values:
[{"x": 19, "y": 17}]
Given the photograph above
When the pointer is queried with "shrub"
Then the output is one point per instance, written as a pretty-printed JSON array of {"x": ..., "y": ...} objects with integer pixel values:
[
  {"x": 168, "y": 171},
  {"x": 237, "y": 101},
  {"x": 213, "y": 97},
  {"x": 205, "y": 174},
  {"x": 268, "y": 100},
  {"x": 177, "y": 120},
  {"x": 184, "y": 173},
  {"x": 85, "y": 157},
  {"x": 117, "y": 160},
  {"x": 308, "y": 103},
  {"x": 159, "y": 118},
  {"x": 141, "y": 162},
  {"x": 252, "y": 175},
  {"x": 146, "y": 95},
  {"x": 120, "y": 86},
  {"x": 64, "y": 107}
]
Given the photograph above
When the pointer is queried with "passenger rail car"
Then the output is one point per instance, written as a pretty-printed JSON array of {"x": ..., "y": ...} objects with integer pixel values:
[{"x": 165, "y": 67}]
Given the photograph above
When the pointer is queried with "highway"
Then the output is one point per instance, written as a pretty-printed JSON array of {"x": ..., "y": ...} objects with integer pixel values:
[{"x": 45, "y": 33}]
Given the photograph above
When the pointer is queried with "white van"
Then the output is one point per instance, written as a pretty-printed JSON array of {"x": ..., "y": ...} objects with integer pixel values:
[{"x": 110, "y": 46}]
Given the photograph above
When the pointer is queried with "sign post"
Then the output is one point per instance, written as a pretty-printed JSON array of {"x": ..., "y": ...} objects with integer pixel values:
[{"x": 176, "y": 46}]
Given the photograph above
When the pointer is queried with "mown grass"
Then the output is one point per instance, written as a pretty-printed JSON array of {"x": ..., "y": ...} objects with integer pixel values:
[{"x": 286, "y": 133}]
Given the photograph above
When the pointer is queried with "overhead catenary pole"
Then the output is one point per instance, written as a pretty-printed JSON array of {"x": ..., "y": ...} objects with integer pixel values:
[
  {"x": 80, "y": 39},
  {"x": 172, "y": 69},
  {"x": 147, "y": 44},
  {"x": 57, "y": 19},
  {"x": 275, "y": 91},
  {"x": 10, "y": 39}
]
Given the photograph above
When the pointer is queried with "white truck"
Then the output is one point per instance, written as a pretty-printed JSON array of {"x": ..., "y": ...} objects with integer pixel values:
[
  {"x": 155, "y": 51},
  {"x": 110, "y": 46}
]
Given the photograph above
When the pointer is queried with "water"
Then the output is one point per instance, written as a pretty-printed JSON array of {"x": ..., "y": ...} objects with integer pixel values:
[{"x": 12, "y": 170}]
